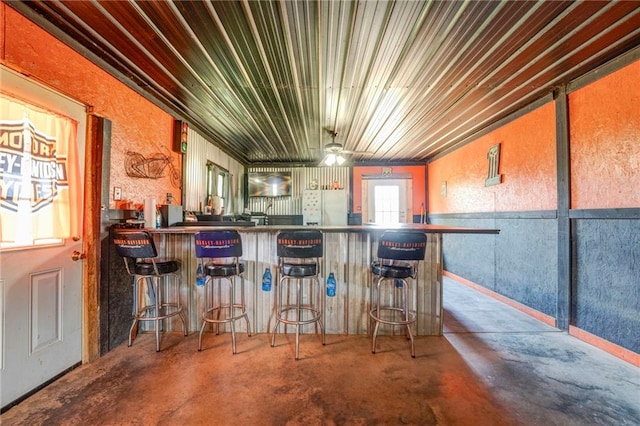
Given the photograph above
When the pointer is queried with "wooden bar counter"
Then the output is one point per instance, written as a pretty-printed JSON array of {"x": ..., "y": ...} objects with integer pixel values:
[{"x": 348, "y": 252}]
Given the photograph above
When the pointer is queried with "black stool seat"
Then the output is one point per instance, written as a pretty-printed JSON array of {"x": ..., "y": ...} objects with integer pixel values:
[
  {"x": 219, "y": 253},
  {"x": 299, "y": 270},
  {"x": 226, "y": 270},
  {"x": 299, "y": 253},
  {"x": 141, "y": 261},
  {"x": 164, "y": 266},
  {"x": 392, "y": 271},
  {"x": 397, "y": 262}
]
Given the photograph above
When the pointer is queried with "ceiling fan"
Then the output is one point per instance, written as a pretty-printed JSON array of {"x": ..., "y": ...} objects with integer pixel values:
[{"x": 335, "y": 154}]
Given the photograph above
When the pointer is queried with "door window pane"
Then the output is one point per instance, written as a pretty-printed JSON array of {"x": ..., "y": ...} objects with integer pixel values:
[{"x": 387, "y": 204}]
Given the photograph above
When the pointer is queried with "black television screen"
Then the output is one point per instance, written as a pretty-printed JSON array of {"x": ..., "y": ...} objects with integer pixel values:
[{"x": 269, "y": 184}]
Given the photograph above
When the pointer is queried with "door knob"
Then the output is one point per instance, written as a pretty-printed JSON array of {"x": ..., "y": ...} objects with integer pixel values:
[{"x": 77, "y": 256}]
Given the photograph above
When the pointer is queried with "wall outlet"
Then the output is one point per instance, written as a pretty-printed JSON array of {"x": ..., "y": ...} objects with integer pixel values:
[{"x": 117, "y": 193}]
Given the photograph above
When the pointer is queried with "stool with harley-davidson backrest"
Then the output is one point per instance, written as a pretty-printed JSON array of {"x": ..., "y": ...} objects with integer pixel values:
[
  {"x": 299, "y": 253},
  {"x": 156, "y": 283},
  {"x": 219, "y": 253},
  {"x": 396, "y": 265}
]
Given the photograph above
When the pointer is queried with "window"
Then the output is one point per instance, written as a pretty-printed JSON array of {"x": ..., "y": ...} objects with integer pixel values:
[
  {"x": 387, "y": 204},
  {"x": 218, "y": 186}
]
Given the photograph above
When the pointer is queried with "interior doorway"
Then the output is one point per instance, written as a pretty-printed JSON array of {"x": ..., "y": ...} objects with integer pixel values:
[{"x": 387, "y": 200}]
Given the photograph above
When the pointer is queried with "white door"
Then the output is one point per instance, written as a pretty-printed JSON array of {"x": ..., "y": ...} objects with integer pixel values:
[
  {"x": 387, "y": 201},
  {"x": 41, "y": 321}
]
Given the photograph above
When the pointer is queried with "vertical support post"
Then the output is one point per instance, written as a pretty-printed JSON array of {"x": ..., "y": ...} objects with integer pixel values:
[{"x": 563, "y": 310}]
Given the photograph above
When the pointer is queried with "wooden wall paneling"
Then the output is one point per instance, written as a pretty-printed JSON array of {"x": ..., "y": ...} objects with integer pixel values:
[
  {"x": 252, "y": 277},
  {"x": 430, "y": 300},
  {"x": 264, "y": 302},
  {"x": 347, "y": 254},
  {"x": 335, "y": 260},
  {"x": 358, "y": 283}
]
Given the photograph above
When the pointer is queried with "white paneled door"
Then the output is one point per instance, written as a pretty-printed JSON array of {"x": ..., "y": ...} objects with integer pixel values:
[{"x": 41, "y": 283}]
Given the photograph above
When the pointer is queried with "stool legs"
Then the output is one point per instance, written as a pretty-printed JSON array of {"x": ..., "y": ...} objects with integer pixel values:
[
  {"x": 157, "y": 305},
  {"x": 214, "y": 307},
  {"x": 403, "y": 308},
  {"x": 314, "y": 307}
]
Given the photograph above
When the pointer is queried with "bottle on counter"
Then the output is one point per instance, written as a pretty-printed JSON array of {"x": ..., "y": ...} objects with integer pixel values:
[
  {"x": 158, "y": 218},
  {"x": 266, "y": 280},
  {"x": 200, "y": 278},
  {"x": 331, "y": 285}
]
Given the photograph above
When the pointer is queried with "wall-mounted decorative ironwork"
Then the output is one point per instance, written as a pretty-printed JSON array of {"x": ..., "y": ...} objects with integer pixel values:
[
  {"x": 156, "y": 166},
  {"x": 493, "y": 177}
]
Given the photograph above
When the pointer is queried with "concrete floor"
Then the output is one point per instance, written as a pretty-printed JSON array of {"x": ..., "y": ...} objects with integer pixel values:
[{"x": 494, "y": 366}]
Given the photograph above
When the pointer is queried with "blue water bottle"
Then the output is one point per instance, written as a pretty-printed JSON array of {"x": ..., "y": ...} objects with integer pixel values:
[
  {"x": 200, "y": 278},
  {"x": 331, "y": 285},
  {"x": 266, "y": 280}
]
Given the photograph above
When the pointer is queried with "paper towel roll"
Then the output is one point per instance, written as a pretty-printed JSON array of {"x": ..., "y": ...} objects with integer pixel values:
[{"x": 150, "y": 213}]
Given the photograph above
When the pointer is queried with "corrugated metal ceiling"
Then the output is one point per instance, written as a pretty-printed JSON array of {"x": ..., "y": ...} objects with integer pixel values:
[{"x": 269, "y": 81}]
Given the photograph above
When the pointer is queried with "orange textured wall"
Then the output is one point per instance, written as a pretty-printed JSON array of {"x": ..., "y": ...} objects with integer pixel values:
[
  {"x": 418, "y": 178},
  {"x": 604, "y": 129},
  {"x": 137, "y": 124},
  {"x": 527, "y": 165}
]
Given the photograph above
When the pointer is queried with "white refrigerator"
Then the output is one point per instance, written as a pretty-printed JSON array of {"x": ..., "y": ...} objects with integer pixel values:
[{"x": 326, "y": 207}]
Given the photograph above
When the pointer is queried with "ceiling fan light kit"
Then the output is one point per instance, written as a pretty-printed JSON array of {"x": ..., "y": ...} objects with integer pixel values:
[{"x": 333, "y": 159}]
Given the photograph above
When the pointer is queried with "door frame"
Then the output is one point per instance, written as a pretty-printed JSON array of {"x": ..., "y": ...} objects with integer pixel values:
[
  {"x": 96, "y": 204},
  {"x": 365, "y": 193}
]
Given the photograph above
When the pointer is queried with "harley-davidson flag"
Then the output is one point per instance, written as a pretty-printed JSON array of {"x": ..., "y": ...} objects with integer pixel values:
[{"x": 39, "y": 174}]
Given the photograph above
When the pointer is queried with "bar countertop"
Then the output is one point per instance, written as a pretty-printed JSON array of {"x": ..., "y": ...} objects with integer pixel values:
[{"x": 416, "y": 227}]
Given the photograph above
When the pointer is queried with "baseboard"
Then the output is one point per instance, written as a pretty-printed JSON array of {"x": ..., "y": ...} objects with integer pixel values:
[
  {"x": 598, "y": 342},
  {"x": 605, "y": 345}
]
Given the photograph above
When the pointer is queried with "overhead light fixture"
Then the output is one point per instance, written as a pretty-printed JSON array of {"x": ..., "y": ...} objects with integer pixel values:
[
  {"x": 330, "y": 159},
  {"x": 333, "y": 159}
]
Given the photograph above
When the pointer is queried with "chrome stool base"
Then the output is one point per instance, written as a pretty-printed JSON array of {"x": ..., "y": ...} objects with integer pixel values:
[
  {"x": 313, "y": 314},
  {"x": 223, "y": 250},
  {"x": 158, "y": 276},
  {"x": 397, "y": 262},
  {"x": 299, "y": 253},
  {"x": 157, "y": 311},
  {"x": 212, "y": 314},
  {"x": 406, "y": 318}
]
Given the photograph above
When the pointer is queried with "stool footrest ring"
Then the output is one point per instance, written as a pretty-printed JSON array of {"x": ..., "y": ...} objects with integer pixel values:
[{"x": 378, "y": 317}]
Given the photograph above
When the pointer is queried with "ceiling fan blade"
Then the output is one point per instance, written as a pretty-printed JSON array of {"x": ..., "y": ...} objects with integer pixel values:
[{"x": 346, "y": 151}]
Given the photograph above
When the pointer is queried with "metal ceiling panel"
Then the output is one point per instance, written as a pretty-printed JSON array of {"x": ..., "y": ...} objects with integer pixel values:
[{"x": 273, "y": 81}]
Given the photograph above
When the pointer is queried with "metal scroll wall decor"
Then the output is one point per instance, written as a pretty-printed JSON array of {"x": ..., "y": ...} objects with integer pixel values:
[{"x": 153, "y": 167}]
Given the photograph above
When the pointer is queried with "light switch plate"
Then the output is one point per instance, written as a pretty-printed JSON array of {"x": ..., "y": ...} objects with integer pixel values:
[{"x": 117, "y": 193}]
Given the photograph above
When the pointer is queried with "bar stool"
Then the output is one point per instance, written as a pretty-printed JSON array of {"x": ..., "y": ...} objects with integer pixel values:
[
  {"x": 397, "y": 262},
  {"x": 219, "y": 252},
  {"x": 142, "y": 263},
  {"x": 299, "y": 254}
]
